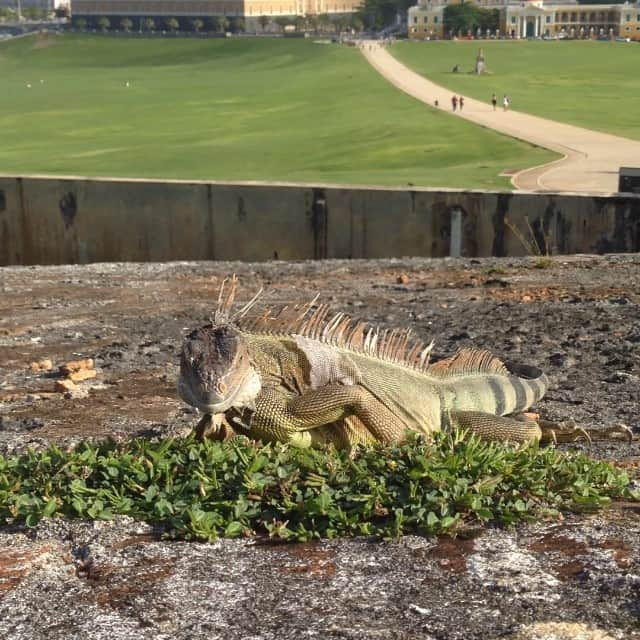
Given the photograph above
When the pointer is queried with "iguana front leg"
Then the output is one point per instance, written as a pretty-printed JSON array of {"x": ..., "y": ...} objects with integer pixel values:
[
  {"x": 214, "y": 427},
  {"x": 282, "y": 416}
]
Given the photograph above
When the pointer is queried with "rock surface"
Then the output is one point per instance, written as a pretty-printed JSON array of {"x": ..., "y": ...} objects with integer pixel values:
[{"x": 576, "y": 317}]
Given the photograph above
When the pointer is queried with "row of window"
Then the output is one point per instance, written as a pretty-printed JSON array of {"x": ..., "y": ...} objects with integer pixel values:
[
  {"x": 583, "y": 18},
  {"x": 258, "y": 11},
  {"x": 479, "y": 2},
  {"x": 611, "y": 16},
  {"x": 546, "y": 32},
  {"x": 111, "y": 6},
  {"x": 81, "y": 6},
  {"x": 425, "y": 19}
]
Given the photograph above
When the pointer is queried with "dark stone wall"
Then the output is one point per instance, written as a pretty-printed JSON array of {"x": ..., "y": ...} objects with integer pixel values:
[{"x": 62, "y": 221}]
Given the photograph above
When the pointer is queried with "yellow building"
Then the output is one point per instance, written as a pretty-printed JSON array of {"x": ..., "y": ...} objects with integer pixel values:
[
  {"x": 535, "y": 19},
  {"x": 205, "y": 8}
]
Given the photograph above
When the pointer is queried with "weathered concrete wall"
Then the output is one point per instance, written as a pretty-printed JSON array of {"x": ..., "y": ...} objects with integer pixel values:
[{"x": 77, "y": 220}]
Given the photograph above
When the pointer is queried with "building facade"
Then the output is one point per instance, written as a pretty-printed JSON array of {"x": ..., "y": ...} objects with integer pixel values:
[
  {"x": 206, "y": 8},
  {"x": 535, "y": 19},
  {"x": 44, "y": 5}
]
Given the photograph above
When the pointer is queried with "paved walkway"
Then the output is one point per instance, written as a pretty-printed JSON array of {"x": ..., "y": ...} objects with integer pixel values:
[{"x": 591, "y": 159}]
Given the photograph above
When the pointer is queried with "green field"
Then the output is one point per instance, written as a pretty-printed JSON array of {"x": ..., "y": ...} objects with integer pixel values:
[
  {"x": 237, "y": 109},
  {"x": 591, "y": 84}
]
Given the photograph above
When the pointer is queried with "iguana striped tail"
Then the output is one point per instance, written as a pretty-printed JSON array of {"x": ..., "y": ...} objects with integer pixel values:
[{"x": 475, "y": 380}]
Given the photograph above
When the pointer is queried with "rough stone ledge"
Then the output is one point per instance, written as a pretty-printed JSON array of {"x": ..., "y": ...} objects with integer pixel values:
[
  {"x": 576, "y": 317},
  {"x": 578, "y": 579}
]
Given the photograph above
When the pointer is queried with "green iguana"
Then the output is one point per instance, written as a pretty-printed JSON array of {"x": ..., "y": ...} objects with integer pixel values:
[{"x": 306, "y": 377}]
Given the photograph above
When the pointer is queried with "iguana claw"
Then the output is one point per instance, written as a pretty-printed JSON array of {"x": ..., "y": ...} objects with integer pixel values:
[
  {"x": 621, "y": 430},
  {"x": 213, "y": 428},
  {"x": 568, "y": 431},
  {"x": 565, "y": 431}
]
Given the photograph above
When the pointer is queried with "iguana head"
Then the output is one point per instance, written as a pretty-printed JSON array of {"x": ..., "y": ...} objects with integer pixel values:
[{"x": 215, "y": 369}]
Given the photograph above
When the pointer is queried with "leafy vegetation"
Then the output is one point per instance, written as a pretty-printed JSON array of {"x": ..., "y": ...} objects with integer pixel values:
[
  {"x": 7, "y": 13},
  {"x": 232, "y": 109},
  {"x": 104, "y": 24},
  {"x": 222, "y": 23},
  {"x": 461, "y": 18},
  {"x": 204, "y": 490},
  {"x": 35, "y": 13},
  {"x": 171, "y": 24},
  {"x": 264, "y": 22},
  {"x": 377, "y": 14}
]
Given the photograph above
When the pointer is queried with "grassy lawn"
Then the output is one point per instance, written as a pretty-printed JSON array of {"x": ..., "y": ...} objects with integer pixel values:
[
  {"x": 590, "y": 84},
  {"x": 238, "y": 109}
]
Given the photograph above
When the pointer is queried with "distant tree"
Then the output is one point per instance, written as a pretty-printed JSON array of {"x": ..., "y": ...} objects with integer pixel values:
[
  {"x": 104, "y": 24},
  {"x": 300, "y": 23},
  {"x": 126, "y": 24},
  {"x": 489, "y": 19},
  {"x": 34, "y": 13},
  {"x": 222, "y": 23},
  {"x": 197, "y": 24},
  {"x": 237, "y": 25},
  {"x": 460, "y": 18},
  {"x": 377, "y": 14},
  {"x": 469, "y": 17},
  {"x": 172, "y": 24},
  {"x": 356, "y": 23},
  {"x": 324, "y": 21},
  {"x": 80, "y": 23},
  {"x": 149, "y": 24},
  {"x": 311, "y": 22},
  {"x": 264, "y": 22},
  {"x": 340, "y": 23},
  {"x": 62, "y": 11},
  {"x": 283, "y": 21}
]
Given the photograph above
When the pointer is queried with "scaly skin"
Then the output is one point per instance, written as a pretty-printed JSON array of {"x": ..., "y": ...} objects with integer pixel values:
[
  {"x": 385, "y": 401},
  {"x": 305, "y": 378}
]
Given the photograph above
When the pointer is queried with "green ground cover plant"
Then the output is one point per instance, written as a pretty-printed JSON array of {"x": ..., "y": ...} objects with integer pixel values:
[
  {"x": 204, "y": 490},
  {"x": 231, "y": 109},
  {"x": 591, "y": 84}
]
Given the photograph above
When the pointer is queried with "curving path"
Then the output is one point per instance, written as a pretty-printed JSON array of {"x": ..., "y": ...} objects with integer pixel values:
[{"x": 591, "y": 159}]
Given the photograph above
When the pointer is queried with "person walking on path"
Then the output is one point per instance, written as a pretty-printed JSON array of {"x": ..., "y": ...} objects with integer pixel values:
[
  {"x": 505, "y": 103},
  {"x": 454, "y": 102},
  {"x": 494, "y": 101},
  {"x": 461, "y": 102},
  {"x": 583, "y": 169}
]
